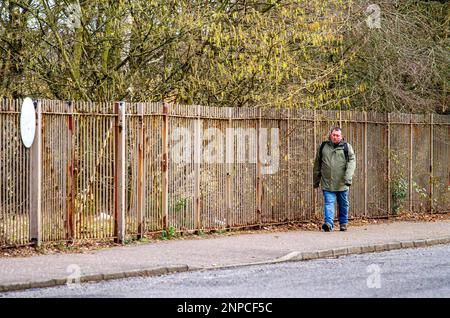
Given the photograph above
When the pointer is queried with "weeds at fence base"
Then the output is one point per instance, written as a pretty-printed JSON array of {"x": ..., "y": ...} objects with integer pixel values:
[
  {"x": 143, "y": 239},
  {"x": 169, "y": 234}
]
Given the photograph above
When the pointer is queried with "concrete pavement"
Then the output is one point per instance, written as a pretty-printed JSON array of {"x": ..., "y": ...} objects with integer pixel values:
[{"x": 162, "y": 257}]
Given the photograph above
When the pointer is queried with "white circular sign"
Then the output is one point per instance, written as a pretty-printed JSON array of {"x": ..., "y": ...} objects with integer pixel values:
[{"x": 27, "y": 122}]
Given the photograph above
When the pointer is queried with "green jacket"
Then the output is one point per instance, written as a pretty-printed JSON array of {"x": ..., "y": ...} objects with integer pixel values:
[{"x": 336, "y": 172}]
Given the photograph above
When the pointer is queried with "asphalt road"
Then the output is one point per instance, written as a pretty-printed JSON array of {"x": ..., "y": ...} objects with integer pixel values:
[{"x": 420, "y": 272}]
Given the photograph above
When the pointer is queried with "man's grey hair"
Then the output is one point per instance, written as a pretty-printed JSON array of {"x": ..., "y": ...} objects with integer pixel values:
[{"x": 335, "y": 129}]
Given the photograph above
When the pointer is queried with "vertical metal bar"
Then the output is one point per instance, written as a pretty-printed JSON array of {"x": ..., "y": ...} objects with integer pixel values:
[
  {"x": 228, "y": 174},
  {"x": 56, "y": 177},
  {"x": 26, "y": 193},
  {"x": 90, "y": 233},
  {"x": 84, "y": 161},
  {"x": 14, "y": 174},
  {"x": 258, "y": 170},
  {"x": 104, "y": 184},
  {"x": 140, "y": 173},
  {"x": 70, "y": 176},
  {"x": 49, "y": 201},
  {"x": 431, "y": 164},
  {"x": 79, "y": 179},
  {"x": 45, "y": 202},
  {"x": 7, "y": 172},
  {"x": 97, "y": 220},
  {"x": 110, "y": 148},
  {"x": 46, "y": 181},
  {"x": 197, "y": 161},
  {"x": 36, "y": 173},
  {"x": 288, "y": 129},
  {"x": 46, "y": 198},
  {"x": 388, "y": 164},
  {"x": 120, "y": 172},
  {"x": 410, "y": 163},
  {"x": 144, "y": 170},
  {"x": 365, "y": 167},
  {"x": 314, "y": 192},
  {"x": 81, "y": 142},
  {"x": 164, "y": 168},
  {"x": 16, "y": 180},
  {"x": 19, "y": 191},
  {"x": 75, "y": 215}
]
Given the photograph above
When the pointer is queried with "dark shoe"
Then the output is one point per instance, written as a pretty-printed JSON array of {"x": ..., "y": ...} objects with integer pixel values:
[
  {"x": 343, "y": 227},
  {"x": 326, "y": 227}
]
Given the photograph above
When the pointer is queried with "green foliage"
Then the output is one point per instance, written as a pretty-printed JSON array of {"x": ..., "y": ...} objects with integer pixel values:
[
  {"x": 399, "y": 191},
  {"x": 128, "y": 240},
  {"x": 402, "y": 66},
  {"x": 280, "y": 53},
  {"x": 163, "y": 235},
  {"x": 421, "y": 191},
  {"x": 221, "y": 53},
  {"x": 169, "y": 234},
  {"x": 180, "y": 205},
  {"x": 399, "y": 185},
  {"x": 221, "y": 231},
  {"x": 143, "y": 239},
  {"x": 273, "y": 55},
  {"x": 61, "y": 246}
]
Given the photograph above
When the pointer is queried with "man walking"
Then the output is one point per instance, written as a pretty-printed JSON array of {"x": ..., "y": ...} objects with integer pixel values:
[{"x": 334, "y": 166}]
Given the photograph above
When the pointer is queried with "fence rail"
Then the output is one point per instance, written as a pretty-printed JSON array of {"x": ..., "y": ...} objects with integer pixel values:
[{"x": 108, "y": 170}]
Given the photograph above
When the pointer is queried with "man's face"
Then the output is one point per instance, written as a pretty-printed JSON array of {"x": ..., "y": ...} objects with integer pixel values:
[{"x": 336, "y": 136}]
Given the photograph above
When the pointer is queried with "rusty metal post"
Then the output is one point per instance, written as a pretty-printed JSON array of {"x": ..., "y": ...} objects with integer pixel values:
[
  {"x": 388, "y": 164},
  {"x": 258, "y": 171},
  {"x": 365, "y": 167},
  {"x": 431, "y": 164},
  {"x": 314, "y": 191},
  {"x": 288, "y": 129},
  {"x": 410, "y": 163},
  {"x": 36, "y": 181},
  {"x": 164, "y": 168},
  {"x": 228, "y": 179},
  {"x": 119, "y": 175},
  {"x": 70, "y": 175},
  {"x": 197, "y": 162},
  {"x": 140, "y": 175}
]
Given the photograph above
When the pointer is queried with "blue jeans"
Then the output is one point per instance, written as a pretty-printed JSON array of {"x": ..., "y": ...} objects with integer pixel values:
[{"x": 329, "y": 199}]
